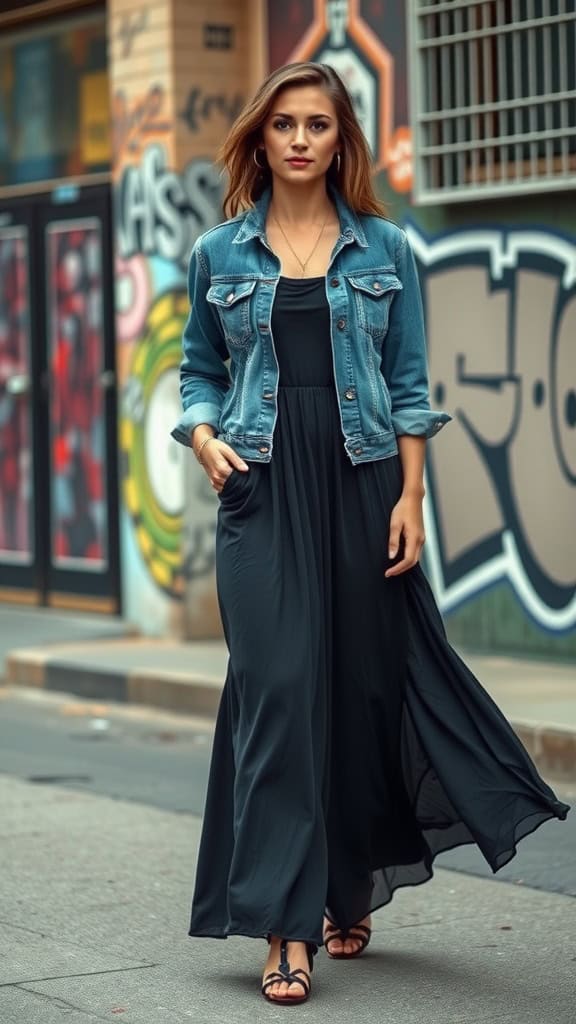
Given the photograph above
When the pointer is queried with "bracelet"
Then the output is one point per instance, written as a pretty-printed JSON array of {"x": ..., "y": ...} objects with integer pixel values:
[{"x": 201, "y": 446}]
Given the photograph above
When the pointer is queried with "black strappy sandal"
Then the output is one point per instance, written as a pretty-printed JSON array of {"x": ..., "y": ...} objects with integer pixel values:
[
  {"x": 359, "y": 932},
  {"x": 285, "y": 974}
]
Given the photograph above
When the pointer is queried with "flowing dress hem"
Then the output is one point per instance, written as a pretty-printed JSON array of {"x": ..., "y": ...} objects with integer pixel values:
[{"x": 519, "y": 834}]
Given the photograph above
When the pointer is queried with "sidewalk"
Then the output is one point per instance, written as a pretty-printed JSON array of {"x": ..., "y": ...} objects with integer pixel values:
[
  {"x": 538, "y": 698},
  {"x": 95, "y": 899},
  {"x": 24, "y": 626}
]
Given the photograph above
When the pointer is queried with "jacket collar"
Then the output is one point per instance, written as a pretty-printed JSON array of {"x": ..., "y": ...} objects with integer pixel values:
[{"x": 254, "y": 221}]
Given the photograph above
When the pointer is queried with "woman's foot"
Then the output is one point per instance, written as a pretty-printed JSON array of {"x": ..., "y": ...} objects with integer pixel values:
[
  {"x": 287, "y": 957},
  {"x": 344, "y": 944}
]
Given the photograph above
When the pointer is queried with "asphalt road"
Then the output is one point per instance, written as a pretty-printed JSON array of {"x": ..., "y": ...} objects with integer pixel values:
[{"x": 161, "y": 760}]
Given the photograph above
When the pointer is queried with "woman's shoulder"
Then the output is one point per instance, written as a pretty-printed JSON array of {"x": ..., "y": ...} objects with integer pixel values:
[
  {"x": 382, "y": 229},
  {"x": 220, "y": 234}
]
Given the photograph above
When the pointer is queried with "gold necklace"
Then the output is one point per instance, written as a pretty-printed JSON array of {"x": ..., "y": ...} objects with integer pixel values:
[{"x": 313, "y": 250}]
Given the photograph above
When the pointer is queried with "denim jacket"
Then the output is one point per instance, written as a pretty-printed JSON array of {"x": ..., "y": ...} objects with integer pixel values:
[{"x": 376, "y": 332}]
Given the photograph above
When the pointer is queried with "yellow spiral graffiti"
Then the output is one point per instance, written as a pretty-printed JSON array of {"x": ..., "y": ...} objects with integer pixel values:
[{"x": 152, "y": 476}]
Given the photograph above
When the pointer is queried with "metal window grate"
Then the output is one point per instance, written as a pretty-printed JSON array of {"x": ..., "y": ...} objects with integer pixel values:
[{"x": 493, "y": 97}]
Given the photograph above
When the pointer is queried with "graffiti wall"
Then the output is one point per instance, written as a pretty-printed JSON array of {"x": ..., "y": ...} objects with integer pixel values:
[
  {"x": 166, "y": 192},
  {"x": 499, "y": 288},
  {"x": 503, "y": 360}
]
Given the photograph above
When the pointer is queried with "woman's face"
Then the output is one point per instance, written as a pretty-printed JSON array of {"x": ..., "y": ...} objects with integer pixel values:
[{"x": 300, "y": 135}]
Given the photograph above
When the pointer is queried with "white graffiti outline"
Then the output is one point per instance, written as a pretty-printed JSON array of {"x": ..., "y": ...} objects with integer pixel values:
[{"x": 503, "y": 249}]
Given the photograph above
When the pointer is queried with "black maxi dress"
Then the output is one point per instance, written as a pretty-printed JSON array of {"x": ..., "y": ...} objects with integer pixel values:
[{"x": 352, "y": 744}]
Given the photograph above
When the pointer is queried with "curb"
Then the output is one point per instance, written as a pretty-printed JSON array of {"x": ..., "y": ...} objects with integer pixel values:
[
  {"x": 552, "y": 747},
  {"x": 182, "y": 692}
]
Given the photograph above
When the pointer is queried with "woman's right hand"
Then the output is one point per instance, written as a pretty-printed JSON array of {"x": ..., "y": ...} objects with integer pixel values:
[{"x": 218, "y": 459}]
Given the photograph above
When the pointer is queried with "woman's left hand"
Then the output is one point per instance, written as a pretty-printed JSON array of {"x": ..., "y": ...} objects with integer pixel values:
[{"x": 406, "y": 522}]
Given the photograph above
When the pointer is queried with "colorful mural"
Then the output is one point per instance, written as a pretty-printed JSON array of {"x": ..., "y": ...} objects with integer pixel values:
[
  {"x": 75, "y": 355},
  {"x": 15, "y": 436},
  {"x": 161, "y": 204},
  {"x": 152, "y": 469},
  {"x": 159, "y": 215},
  {"x": 174, "y": 548}
]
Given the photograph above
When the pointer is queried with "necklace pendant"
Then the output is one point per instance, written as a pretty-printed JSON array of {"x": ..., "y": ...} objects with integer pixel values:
[{"x": 291, "y": 248}]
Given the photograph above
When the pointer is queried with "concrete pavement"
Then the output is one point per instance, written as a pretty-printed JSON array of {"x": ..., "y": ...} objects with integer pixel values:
[
  {"x": 29, "y": 626},
  {"x": 95, "y": 897}
]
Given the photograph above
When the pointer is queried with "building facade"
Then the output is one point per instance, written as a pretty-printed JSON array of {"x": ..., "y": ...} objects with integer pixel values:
[{"x": 110, "y": 118}]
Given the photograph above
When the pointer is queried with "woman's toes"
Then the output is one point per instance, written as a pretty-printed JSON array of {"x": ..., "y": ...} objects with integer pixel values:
[
  {"x": 282, "y": 990},
  {"x": 288, "y": 989},
  {"x": 351, "y": 945},
  {"x": 294, "y": 990}
]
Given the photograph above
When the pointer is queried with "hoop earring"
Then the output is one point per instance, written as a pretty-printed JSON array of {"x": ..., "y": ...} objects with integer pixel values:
[
  {"x": 338, "y": 162},
  {"x": 261, "y": 167}
]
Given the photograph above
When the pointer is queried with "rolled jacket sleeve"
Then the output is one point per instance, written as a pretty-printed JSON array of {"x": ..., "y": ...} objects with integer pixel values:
[
  {"x": 204, "y": 378},
  {"x": 404, "y": 362}
]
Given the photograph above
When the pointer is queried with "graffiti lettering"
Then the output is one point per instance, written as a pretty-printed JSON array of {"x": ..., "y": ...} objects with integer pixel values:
[
  {"x": 503, "y": 360},
  {"x": 200, "y": 108},
  {"x": 131, "y": 126},
  {"x": 160, "y": 212},
  {"x": 131, "y": 26}
]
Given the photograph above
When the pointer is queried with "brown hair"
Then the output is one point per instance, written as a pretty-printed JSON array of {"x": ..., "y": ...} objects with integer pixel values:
[{"x": 247, "y": 181}]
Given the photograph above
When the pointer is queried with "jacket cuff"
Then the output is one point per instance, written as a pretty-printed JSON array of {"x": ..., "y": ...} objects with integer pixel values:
[
  {"x": 200, "y": 412},
  {"x": 422, "y": 422}
]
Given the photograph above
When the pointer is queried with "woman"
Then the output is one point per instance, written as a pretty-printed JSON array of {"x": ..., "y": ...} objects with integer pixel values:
[{"x": 352, "y": 745}]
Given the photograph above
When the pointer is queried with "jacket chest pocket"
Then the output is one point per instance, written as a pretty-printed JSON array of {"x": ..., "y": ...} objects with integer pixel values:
[
  {"x": 373, "y": 294},
  {"x": 232, "y": 301}
]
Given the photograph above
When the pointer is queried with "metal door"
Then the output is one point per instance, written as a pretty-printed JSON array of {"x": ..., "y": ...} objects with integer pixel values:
[{"x": 58, "y": 487}]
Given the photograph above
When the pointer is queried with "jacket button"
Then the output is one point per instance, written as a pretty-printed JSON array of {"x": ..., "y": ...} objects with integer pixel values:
[
  {"x": 358, "y": 451},
  {"x": 264, "y": 449},
  {"x": 334, "y": 282},
  {"x": 377, "y": 286},
  {"x": 229, "y": 297},
  {"x": 350, "y": 394},
  {"x": 341, "y": 324},
  {"x": 268, "y": 395}
]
